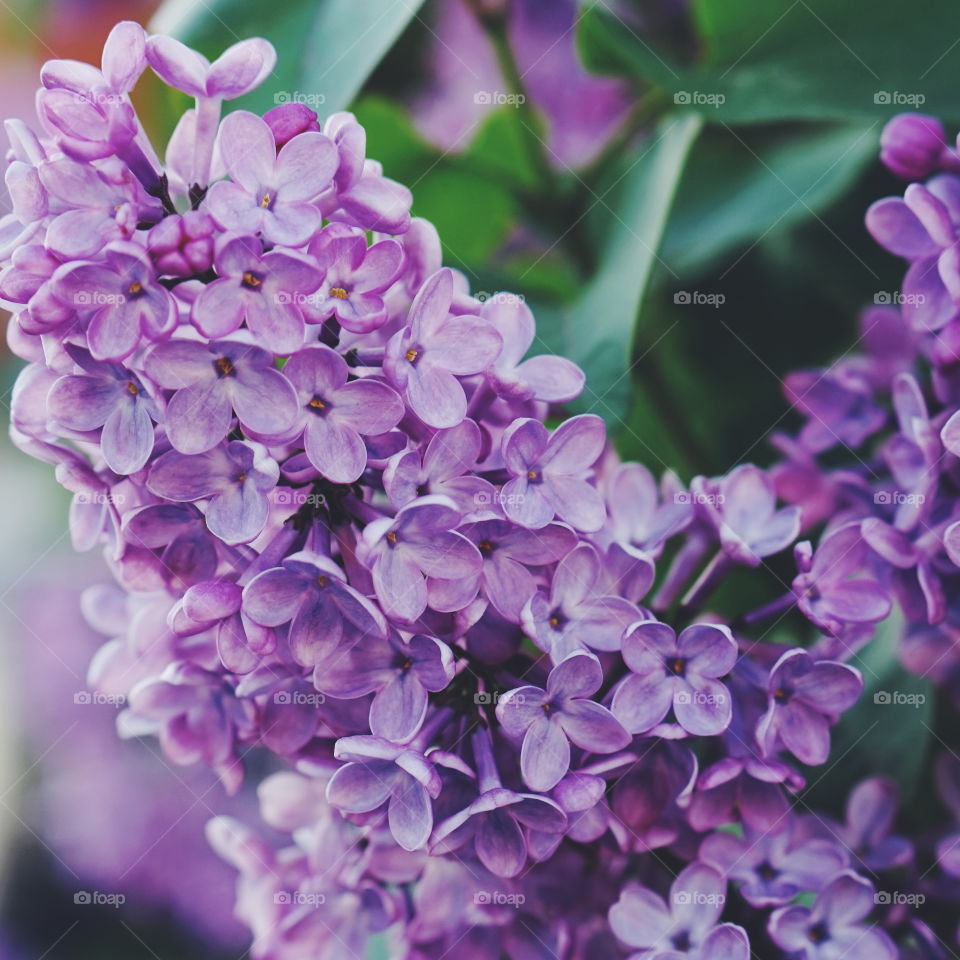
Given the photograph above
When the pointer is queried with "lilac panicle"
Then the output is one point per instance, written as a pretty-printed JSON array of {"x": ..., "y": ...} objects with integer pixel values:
[{"x": 345, "y": 538}]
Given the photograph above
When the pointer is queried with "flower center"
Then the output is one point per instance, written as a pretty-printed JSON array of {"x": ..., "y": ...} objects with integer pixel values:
[
  {"x": 338, "y": 292},
  {"x": 392, "y": 538},
  {"x": 681, "y": 940},
  {"x": 412, "y": 355},
  {"x": 677, "y": 666},
  {"x": 485, "y": 547},
  {"x": 781, "y": 695},
  {"x": 251, "y": 280},
  {"x": 266, "y": 201},
  {"x": 322, "y": 581},
  {"x": 317, "y": 404},
  {"x": 818, "y": 933},
  {"x": 533, "y": 476},
  {"x": 133, "y": 389},
  {"x": 557, "y": 619},
  {"x": 224, "y": 367},
  {"x": 767, "y": 873}
]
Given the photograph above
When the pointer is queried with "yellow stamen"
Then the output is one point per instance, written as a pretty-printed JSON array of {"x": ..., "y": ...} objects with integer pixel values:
[{"x": 338, "y": 292}]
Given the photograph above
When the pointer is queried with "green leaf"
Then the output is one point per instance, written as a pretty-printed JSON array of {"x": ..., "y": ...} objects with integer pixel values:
[
  {"x": 888, "y": 731},
  {"x": 598, "y": 329},
  {"x": 393, "y": 141},
  {"x": 501, "y": 150},
  {"x": 815, "y": 59},
  {"x": 739, "y": 187},
  {"x": 472, "y": 215},
  {"x": 326, "y": 50}
]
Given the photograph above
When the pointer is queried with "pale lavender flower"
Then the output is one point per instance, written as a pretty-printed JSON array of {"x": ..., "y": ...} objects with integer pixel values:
[{"x": 548, "y": 720}]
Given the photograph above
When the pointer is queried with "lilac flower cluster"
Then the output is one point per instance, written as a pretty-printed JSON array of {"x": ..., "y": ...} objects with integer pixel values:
[{"x": 473, "y": 652}]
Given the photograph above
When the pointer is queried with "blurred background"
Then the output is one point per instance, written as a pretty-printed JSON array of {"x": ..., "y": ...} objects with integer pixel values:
[{"x": 677, "y": 189}]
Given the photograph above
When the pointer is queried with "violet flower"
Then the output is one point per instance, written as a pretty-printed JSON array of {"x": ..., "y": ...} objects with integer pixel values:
[
  {"x": 922, "y": 227},
  {"x": 576, "y": 614},
  {"x": 548, "y": 720},
  {"x": 270, "y": 192},
  {"x": 687, "y": 926},
  {"x": 310, "y": 593},
  {"x": 772, "y": 869},
  {"x": 121, "y": 297},
  {"x": 336, "y": 414},
  {"x": 804, "y": 696},
  {"x": 548, "y": 473},
  {"x": 378, "y": 773},
  {"x": 498, "y": 821},
  {"x": 834, "y": 586},
  {"x": 425, "y": 358},
  {"x": 110, "y": 397},
  {"x": 400, "y": 673},
  {"x": 681, "y": 673},
  {"x": 258, "y": 289},
  {"x": 355, "y": 277},
  {"x": 445, "y": 468},
  {"x": 419, "y": 543},
  {"x": 212, "y": 380},
  {"x": 508, "y": 551},
  {"x": 548, "y": 378},
  {"x": 834, "y": 925},
  {"x": 235, "y": 477}
]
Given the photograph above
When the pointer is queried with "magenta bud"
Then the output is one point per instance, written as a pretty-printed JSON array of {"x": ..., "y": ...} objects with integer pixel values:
[
  {"x": 289, "y": 119},
  {"x": 182, "y": 245},
  {"x": 912, "y": 144}
]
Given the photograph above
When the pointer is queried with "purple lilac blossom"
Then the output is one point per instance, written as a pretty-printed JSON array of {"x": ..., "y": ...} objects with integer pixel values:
[{"x": 345, "y": 538}]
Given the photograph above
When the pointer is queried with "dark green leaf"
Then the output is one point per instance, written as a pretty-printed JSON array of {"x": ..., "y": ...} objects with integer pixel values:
[
  {"x": 816, "y": 59},
  {"x": 739, "y": 188},
  {"x": 598, "y": 329}
]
